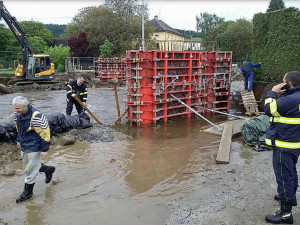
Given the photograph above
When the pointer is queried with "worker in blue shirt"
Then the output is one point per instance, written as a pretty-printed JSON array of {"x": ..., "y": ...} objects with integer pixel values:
[
  {"x": 247, "y": 70},
  {"x": 284, "y": 136}
]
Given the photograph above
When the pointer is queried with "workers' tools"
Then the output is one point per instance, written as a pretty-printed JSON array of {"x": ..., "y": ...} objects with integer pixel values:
[
  {"x": 198, "y": 114},
  {"x": 86, "y": 108},
  {"x": 227, "y": 114},
  {"x": 117, "y": 100},
  {"x": 115, "y": 82},
  {"x": 120, "y": 117}
]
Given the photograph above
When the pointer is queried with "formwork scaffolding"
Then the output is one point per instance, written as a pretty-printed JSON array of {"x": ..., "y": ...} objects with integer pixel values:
[
  {"x": 198, "y": 79},
  {"x": 109, "y": 68}
]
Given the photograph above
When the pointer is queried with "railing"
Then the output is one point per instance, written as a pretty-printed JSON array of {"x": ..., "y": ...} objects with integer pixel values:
[{"x": 174, "y": 45}]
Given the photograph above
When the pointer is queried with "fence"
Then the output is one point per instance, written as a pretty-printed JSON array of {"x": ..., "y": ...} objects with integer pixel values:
[
  {"x": 80, "y": 64},
  {"x": 7, "y": 59},
  {"x": 152, "y": 44}
]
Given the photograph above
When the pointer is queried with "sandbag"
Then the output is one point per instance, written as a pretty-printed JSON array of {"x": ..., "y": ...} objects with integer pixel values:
[
  {"x": 4, "y": 135},
  {"x": 85, "y": 121},
  {"x": 254, "y": 132},
  {"x": 72, "y": 121},
  {"x": 57, "y": 123}
]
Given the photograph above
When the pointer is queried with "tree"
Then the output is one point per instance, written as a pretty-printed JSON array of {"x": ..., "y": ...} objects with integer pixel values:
[
  {"x": 58, "y": 56},
  {"x": 38, "y": 44},
  {"x": 106, "y": 49},
  {"x": 102, "y": 22},
  {"x": 79, "y": 46},
  {"x": 56, "y": 29},
  {"x": 37, "y": 29},
  {"x": 4, "y": 38},
  {"x": 236, "y": 36},
  {"x": 276, "y": 5},
  {"x": 126, "y": 8},
  {"x": 207, "y": 21}
]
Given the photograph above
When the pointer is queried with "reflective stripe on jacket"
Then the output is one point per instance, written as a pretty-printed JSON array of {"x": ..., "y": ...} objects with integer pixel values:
[
  {"x": 284, "y": 131},
  {"x": 33, "y": 131},
  {"x": 80, "y": 91}
]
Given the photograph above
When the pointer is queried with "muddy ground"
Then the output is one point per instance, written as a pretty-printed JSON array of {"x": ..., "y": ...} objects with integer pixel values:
[
  {"x": 163, "y": 174},
  {"x": 10, "y": 84}
]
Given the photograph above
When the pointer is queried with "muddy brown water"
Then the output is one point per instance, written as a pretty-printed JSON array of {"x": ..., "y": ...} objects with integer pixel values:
[{"x": 126, "y": 181}]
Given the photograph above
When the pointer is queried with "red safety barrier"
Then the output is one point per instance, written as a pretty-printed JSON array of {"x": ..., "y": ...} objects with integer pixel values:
[{"x": 196, "y": 78}]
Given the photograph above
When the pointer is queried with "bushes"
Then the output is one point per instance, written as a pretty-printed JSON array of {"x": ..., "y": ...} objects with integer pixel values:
[
  {"x": 276, "y": 43},
  {"x": 58, "y": 56}
]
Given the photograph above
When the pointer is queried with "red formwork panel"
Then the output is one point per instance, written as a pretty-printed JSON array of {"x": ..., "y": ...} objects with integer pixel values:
[
  {"x": 109, "y": 68},
  {"x": 196, "y": 78},
  {"x": 216, "y": 74}
]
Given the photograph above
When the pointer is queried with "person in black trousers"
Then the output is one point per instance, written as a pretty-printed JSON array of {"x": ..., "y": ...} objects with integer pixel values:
[{"x": 76, "y": 88}]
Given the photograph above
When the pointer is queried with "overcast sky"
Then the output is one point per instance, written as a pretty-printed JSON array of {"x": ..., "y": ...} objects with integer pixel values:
[{"x": 176, "y": 13}]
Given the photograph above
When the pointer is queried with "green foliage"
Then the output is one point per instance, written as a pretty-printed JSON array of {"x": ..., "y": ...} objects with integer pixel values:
[
  {"x": 277, "y": 43},
  {"x": 3, "y": 38},
  {"x": 109, "y": 23},
  {"x": 235, "y": 36},
  {"x": 190, "y": 34},
  {"x": 32, "y": 29},
  {"x": 207, "y": 21},
  {"x": 38, "y": 44},
  {"x": 275, "y": 5},
  {"x": 60, "y": 68},
  {"x": 56, "y": 29},
  {"x": 106, "y": 49},
  {"x": 58, "y": 56}
]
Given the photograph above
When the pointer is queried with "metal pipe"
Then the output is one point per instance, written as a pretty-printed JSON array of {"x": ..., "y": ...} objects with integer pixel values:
[
  {"x": 227, "y": 114},
  {"x": 143, "y": 26},
  {"x": 198, "y": 114}
]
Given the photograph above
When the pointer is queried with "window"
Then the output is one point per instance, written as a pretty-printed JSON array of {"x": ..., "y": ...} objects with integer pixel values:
[{"x": 47, "y": 61}]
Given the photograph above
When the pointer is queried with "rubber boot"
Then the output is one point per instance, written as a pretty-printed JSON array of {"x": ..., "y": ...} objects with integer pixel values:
[
  {"x": 48, "y": 170},
  {"x": 277, "y": 198},
  {"x": 283, "y": 216},
  {"x": 27, "y": 193}
]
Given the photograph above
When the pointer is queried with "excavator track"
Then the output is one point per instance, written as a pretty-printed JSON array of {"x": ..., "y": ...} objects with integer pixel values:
[{"x": 30, "y": 82}]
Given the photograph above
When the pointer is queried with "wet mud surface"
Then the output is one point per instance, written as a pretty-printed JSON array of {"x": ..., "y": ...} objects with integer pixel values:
[{"x": 163, "y": 174}]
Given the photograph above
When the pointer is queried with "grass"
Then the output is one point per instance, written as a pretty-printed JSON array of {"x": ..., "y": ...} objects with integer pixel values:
[{"x": 7, "y": 72}]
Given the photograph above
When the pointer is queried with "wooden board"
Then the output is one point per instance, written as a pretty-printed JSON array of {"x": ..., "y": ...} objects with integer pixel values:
[
  {"x": 225, "y": 145},
  {"x": 249, "y": 103}
]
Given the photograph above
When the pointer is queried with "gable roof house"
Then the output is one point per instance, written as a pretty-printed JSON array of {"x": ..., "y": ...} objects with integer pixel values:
[{"x": 164, "y": 32}]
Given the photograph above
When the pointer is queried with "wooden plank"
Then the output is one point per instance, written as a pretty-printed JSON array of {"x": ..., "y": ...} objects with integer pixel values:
[
  {"x": 248, "y": 97},
  {"x": 225, "y": 145}
]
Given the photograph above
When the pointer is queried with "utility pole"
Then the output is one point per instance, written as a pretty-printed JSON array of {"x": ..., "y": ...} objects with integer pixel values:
[{"x": 143, "y": 26}]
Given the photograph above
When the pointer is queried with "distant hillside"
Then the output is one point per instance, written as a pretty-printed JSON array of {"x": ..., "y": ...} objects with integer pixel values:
[{"x": 56, "y": 29}]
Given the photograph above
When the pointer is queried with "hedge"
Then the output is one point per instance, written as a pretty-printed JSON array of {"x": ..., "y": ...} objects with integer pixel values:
[{"x": 276, "y": 43}]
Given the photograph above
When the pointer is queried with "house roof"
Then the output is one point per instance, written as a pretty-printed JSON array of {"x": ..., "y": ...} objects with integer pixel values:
[{"x": 162, "y": 26}]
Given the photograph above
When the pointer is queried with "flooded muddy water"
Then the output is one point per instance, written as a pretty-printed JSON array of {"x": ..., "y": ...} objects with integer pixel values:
[{"x": 124, "y": 181}]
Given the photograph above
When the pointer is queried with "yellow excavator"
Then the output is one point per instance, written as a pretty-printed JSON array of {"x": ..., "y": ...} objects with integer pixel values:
[{"x": 33, "y": 67}]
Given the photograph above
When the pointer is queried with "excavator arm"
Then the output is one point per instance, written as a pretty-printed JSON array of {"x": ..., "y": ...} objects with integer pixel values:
[{"x": 14, "y": 26}]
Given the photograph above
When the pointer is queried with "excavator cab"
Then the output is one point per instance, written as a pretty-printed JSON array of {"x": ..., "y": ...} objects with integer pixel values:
[{"x": 39, "y": 67}]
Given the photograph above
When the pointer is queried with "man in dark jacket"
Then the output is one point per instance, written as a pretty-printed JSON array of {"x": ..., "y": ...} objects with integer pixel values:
[
  {"x": 79, "y": 89},
  {"x": 284, "y": 136},
  {"x": 247, "y": 70},
  {"x": 34, "y": 141}
]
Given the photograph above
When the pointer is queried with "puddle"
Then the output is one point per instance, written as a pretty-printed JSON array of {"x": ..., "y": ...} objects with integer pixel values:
[{"x": 124, "y": 181}]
